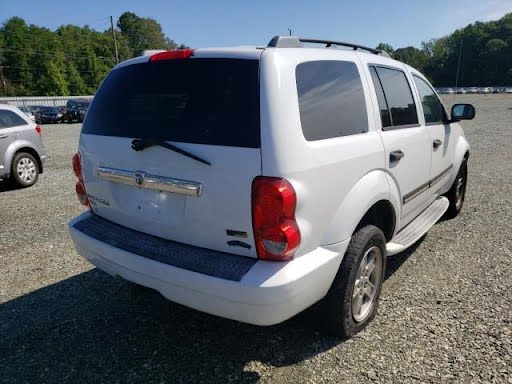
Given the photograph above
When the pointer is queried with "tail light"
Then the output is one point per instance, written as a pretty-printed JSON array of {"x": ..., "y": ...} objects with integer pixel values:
[
  {"x": 38, "y": 129},
  {"x": 80, "y": 187},
  {"x": 276, "y": 232}
]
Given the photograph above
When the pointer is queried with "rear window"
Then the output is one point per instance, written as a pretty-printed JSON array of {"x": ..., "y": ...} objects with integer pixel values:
[{"x": 201, "y": 101}]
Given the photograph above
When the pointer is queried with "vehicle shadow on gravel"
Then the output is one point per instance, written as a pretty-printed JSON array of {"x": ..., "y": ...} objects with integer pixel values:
[
  {"x": 93, "y": 328},
  {"x": 7, "y": 185}
]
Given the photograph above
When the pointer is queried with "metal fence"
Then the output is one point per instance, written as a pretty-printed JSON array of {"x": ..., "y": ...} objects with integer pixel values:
[{"x": 49, "y": 101}]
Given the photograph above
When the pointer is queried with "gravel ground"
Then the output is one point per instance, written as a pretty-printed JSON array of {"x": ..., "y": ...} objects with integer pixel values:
[{"x": 445, "y": 313}]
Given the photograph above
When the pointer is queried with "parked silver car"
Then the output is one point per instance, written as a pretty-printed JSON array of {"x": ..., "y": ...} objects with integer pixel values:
[{"x": 22, "y": 153}]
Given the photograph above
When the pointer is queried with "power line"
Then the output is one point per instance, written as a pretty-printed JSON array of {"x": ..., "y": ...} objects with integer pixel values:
[
  {"x": 55, "y": 53},
  {"x": 39, "y": 69}
]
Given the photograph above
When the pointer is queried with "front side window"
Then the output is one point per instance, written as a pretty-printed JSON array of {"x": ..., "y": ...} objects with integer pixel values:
[
  {"x": 398, "y": 97},
  {"x": 331, "y": 99},
  {"x": 433, "y": 109},
  {"x": 10, "y": 119}
]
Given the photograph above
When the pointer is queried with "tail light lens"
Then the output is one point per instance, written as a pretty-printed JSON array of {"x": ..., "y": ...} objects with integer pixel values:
[
  {"x": 38, "y": 129},
  {"x": 80, "y": 187},
  {"x": 172, "y": 55},
  {"x": 276, "y": 232}
]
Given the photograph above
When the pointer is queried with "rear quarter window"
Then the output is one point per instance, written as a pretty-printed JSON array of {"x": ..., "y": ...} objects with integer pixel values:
[
  {"x": 331, "y": 99},
  {"x": 200, "y": 101}
]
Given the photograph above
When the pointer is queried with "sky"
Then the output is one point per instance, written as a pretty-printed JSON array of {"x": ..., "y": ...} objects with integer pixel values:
[{"x": 198, "y": 23}]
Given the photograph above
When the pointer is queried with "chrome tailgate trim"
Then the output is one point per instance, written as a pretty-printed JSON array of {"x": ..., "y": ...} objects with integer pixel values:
[{"x": 142, "y": 179}]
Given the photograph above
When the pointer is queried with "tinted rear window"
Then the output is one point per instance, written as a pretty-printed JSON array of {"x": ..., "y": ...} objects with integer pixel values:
[{"x": 201, "y": 101}]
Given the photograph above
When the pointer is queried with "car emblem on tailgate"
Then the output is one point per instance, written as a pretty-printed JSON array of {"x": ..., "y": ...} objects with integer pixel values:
[{"x": 139, "y": 177}]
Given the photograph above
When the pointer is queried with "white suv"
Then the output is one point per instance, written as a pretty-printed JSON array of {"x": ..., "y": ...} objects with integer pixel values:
[{"x": 254, "y": 182}]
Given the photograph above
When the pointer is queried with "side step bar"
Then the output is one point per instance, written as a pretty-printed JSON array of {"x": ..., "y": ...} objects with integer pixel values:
[{"x": 418, "y": 227}]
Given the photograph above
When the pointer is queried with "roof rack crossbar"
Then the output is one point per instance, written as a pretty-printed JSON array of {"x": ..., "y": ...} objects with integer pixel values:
[{"x": 296, "y": 42}]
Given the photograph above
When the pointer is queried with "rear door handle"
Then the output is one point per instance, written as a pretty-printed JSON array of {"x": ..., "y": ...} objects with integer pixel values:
[
  {"x": 436, "y": 143},
  {"x": 4, "y": 136},
  {"x": 396, "y": 155}
]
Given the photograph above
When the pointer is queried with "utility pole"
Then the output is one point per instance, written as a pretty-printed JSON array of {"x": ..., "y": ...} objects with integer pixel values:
[
  {"x": 2, "y": 80},
  {"x": 458, "y": 65},
  {"x": 114, "y": 38}
]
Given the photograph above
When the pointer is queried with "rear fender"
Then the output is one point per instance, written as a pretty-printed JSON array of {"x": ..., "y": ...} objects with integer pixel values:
[
  {"x": 11, "y": 151},
  {"x": 370, "y": 189}
]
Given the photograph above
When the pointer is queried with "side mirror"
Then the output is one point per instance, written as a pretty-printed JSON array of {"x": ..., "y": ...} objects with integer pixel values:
[{"x": 463, "y": 112}]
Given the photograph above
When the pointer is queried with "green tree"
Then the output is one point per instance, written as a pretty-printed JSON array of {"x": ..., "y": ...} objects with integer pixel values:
[
  {"x": 387, "y": 48},
  {"x": 143, "y": 33}
]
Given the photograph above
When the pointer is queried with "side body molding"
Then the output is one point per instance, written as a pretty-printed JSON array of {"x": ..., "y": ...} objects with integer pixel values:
[{"x": 371, "y": 188}]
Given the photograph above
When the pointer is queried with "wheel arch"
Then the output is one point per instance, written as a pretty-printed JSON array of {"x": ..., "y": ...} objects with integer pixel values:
[
  {"x": 370, "y": 198},
  {"x": 461, "y": 153},
  {"x": 17, "y": 147}
]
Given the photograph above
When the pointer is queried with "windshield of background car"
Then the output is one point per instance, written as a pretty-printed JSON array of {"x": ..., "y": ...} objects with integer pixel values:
[
  {"x": 49, "y": 110},
  {"x": 201, "y": 101}
]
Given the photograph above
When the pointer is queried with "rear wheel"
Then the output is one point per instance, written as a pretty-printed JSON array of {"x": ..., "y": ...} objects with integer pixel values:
[
  {"x": 457, "y": 192},
  {"x": 24, "y": 169},
  {"x": 352, "y": 300}
]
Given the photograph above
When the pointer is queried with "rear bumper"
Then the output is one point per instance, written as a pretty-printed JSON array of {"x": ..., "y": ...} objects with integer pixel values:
[{"x": 269, "y": 293}]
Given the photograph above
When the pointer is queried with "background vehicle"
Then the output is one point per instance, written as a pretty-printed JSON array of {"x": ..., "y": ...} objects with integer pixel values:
[
  {"x": 472, "y": 90},
  {"x": 22, "y": 153},
  {"x": 46, "y": 115},
  {"x": 28, "y": 112},
  {"x": 257, "y": 224},
  {"x": 76, "y": 110}
]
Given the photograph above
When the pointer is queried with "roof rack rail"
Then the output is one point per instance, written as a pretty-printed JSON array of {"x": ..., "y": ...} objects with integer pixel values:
[{"x": 296, "y": 42}]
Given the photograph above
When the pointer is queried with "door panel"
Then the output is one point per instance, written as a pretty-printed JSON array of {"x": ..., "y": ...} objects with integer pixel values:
[
  {"x": 412, "y": 171},
  {"x": 442, "y": 135},
  {"x": 443, "y": 150}
]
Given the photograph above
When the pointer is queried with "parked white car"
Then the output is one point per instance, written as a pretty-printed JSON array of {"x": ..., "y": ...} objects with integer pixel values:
[{"x": 252, "y": 183}]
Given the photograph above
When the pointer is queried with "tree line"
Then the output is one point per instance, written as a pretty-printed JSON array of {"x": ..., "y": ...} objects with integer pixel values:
[
  {"x": 72, "y": 60},
  {"x": 484, "y": 48}
]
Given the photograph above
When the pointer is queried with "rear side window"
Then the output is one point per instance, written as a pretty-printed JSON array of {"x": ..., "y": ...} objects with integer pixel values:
[
  {"x": 397, "y": 96},
  {"x": 10, "y": 119},
  {"x": 381, "y": 99},
  {"x": 331, "y": 99},
  {"x": 433, "y": 109},
  {"x": 200, "y": 101}
]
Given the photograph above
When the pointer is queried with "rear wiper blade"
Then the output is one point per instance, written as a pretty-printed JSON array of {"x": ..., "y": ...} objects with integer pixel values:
[{"x": 141, "y": 144}]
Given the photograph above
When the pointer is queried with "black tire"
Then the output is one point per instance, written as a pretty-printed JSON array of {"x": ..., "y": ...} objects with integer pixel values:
[
  {"x": 457, "y": 192},
  {"x": 336, "y": 309},
  {"x": 29, "y": 165}
]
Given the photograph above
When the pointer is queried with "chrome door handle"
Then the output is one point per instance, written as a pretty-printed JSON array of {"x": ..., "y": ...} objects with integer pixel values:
[
  {"x": 436, "y": 143},
  {"x": 4, "y": 136},
  {"x": 396, "y": 155}
]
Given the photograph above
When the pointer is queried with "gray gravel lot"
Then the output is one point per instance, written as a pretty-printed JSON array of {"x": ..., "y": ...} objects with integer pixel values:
[{"x": 445, "y": 314}]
